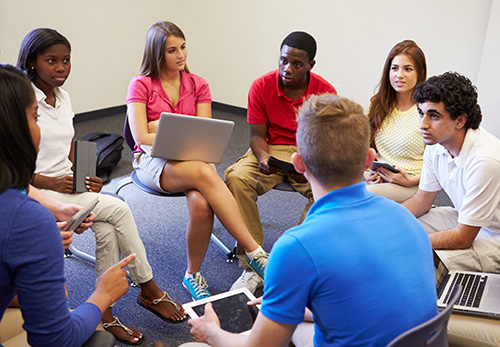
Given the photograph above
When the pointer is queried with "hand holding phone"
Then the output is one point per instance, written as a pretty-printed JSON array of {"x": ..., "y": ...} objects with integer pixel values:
[
  {"x": 377, "y": 164},
  {"x": 284, "y": 166}
]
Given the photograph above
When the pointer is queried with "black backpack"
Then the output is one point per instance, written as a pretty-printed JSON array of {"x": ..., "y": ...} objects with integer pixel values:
[{"x": 109, "y": 152}]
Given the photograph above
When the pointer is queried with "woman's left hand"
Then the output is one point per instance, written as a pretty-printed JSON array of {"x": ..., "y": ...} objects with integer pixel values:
[
  {"x": 372, "y": 177},
  {"x": 93, "y": 184},
  {"x": 401, "y": 178}
]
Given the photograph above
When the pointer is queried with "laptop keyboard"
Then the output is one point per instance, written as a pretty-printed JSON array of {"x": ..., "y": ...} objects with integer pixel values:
[{"x": 473, "y": 289}]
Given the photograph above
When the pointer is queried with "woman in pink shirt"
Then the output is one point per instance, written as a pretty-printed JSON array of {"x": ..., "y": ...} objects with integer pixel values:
[{"x": 165, "y": 84}]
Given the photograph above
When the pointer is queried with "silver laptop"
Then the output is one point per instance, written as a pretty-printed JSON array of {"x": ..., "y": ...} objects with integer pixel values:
[
  {"x": 181, "y": 137},
  {"x": 481, "y": 291}
]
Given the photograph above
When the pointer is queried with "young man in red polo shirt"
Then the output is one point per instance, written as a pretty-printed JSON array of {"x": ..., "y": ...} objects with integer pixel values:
[{"x": 273, "y": 101}]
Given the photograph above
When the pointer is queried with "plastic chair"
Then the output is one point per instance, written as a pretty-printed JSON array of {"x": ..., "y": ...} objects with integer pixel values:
[
  {"x": 432, "y": 333},
  {"x": 230, "y": 255}
]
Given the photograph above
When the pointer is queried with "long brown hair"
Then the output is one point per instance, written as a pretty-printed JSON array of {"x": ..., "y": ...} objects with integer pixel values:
[
  {"x": 384, "y": 101},
  {"x": 156, "y": 42}
]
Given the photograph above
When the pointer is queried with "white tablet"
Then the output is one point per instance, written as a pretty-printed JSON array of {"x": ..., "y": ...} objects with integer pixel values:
[
  {"x": 80, "y": 216},
  {"x": 231, "y": 307}
]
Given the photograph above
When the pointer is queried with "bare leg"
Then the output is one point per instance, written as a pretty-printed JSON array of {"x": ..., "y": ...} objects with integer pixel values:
[
  {"x": 120, "y": 333},
  {"x": 151, "y": 291},
  {"x": 187, "y": 175},
  {"x": 199, "y": 229}
]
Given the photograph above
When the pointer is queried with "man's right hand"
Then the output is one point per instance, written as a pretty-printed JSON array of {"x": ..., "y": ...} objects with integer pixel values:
[{"x": 264, "y": 166}]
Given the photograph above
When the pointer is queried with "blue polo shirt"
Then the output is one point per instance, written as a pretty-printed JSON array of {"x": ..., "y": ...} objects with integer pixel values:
[{"x": 360, "y": 262}]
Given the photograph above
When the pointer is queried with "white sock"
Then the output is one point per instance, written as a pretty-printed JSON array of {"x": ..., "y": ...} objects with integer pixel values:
[
  {"x": 188, "y": 275},
  {"x": 252, "y": 255}
]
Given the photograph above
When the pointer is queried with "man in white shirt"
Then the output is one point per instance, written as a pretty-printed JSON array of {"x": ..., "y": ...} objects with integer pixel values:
[{"x": 463, "y": 159}]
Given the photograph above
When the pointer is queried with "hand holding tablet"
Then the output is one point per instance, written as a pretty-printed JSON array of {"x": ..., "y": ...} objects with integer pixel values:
[
  {"x": 80, "y": 216},
  {"x": 232, "y": 309}
]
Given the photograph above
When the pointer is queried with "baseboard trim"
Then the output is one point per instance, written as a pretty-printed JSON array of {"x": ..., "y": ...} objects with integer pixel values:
[
  {"x": 229, "y": 108},
  {"x": 111, "y": 111},
  {"x": 105, "y": 112}
]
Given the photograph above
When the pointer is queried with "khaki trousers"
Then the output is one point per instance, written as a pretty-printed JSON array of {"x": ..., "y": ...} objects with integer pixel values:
[
  {"x": 247, "y": 183},
  {"x": 115, "y": 233},
  {"x": 483, "y": 256},
  {"x": 392, "y": 191}
]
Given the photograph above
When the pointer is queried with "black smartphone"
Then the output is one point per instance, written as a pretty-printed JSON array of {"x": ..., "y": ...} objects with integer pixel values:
[
  {"x": 387, "y": 166},
  {"x": 284, "y": 166}
]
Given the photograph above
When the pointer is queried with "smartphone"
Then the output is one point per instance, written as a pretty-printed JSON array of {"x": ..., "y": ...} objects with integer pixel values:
[
  {"x": 80, "y": 216},
  {"x": 284, "y": 166},
  {"x": 387, "y": 166}
]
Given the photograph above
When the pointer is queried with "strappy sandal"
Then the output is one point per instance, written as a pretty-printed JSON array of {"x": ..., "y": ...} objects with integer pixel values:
[
  {"x": 117, "y": 323},
  {"x": 145, "y": 303}
]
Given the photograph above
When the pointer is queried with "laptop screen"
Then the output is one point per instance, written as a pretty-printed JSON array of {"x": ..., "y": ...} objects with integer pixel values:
[{"x": 441, "y": 273}]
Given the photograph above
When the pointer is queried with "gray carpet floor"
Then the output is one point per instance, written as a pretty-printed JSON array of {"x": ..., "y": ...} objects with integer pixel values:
[{"x": 162, "y": 222}]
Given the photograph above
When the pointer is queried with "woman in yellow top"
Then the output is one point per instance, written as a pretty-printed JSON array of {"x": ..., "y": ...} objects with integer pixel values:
[{"x": 394, "y": 122}]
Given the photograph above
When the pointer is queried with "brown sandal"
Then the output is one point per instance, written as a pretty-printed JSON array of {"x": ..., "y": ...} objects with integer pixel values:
[
  {"x": 117, "y": 323},
  {"x": 145, "y": 303}
]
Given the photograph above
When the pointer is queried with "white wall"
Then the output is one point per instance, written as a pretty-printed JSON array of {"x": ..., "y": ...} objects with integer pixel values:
[
  {"x": 107, "y": 39},
  {"x": 232, "y": 42},
  {"x": 489, "y": 73}
]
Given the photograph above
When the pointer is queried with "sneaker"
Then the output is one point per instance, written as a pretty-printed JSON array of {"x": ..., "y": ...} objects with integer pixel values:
[
  {"x": 248, "y": 279},
  {"x": 258, "y": 264},
  {"x": 197, "y": 286}
]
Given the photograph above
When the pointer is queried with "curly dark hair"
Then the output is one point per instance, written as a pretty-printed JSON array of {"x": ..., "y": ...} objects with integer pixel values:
[{"x": 457, "y": 93}]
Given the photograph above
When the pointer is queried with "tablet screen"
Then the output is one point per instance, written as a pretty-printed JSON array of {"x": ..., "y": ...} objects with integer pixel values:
[{"x": 234, "y": 314}]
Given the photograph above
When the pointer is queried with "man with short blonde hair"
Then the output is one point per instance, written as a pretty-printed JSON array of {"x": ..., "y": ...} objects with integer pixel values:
[{"x": 354, "y": 262}]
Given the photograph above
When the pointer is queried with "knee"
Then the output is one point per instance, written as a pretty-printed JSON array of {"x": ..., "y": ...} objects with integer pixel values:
[
  {"x": 205, "y": 173},
  {"x": 199, "y": 208},
  {"x": 233, "y": 179},
  {"x": 238, "y": 181},
  {"x": 111, "y": 208}
]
